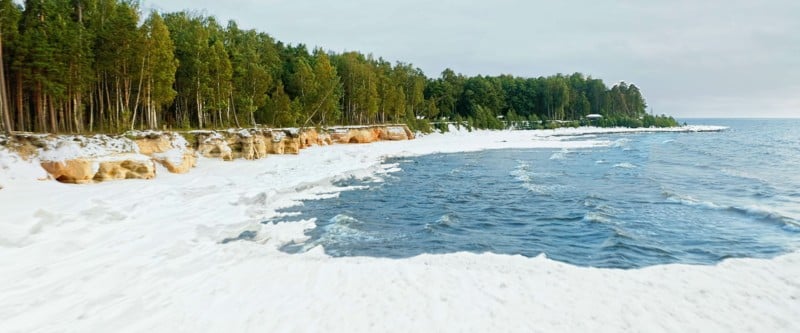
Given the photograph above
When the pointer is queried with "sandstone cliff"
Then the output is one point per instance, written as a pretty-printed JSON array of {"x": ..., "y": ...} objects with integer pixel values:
[
  {"x": 368, "y": 134},
  {"x": 88, "y": 170},
  {"x": 85, "y": 159},
  {"x": 169, "y": 149}
]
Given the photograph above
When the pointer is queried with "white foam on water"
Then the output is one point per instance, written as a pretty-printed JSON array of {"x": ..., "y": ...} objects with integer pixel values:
[
  {"x": 756, "y": 211},
  {"x": 522, "y": 172},
  {"x": 596, "y": 217},
  {"x": 561, "y": 155},
  {"x": 621, "y": 143},
  {"x": 625, "y": 165},
  {"x": 343, "y": 227}
]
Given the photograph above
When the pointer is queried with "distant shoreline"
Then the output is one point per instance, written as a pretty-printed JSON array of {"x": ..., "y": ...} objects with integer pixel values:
[{"x": 95, "y": 158}]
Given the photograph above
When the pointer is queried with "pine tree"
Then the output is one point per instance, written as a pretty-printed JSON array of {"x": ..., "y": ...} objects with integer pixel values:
[
  {"x": 327, "y": 91},
  {"x": 4, "y": 110},
  {"x": 157, "y": 72},
  {"x": 10, "y": 15}
]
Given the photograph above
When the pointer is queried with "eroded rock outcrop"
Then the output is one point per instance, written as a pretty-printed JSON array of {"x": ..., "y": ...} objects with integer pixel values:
[
  {"x": 126, "y": 166},
  {"x": 176, "y": 160},
  {"x": 78, "y": 171},
  {"x": 396, "y": 133},
  {"x": 212, "y": 144},
  {"x": 290, "y": 142},
  {"x": 86, "y": 159},
  {"x": 88, "y": 170},
  {"x": 168, "y": 149},
  {"x": 248, "y": 143},
  {"x": 369, "y": 134},
  {"x": 310, "y": 137}
]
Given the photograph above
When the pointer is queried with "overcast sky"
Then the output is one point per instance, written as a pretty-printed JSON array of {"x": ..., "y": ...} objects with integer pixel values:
[{"x": 715, "y": 58}]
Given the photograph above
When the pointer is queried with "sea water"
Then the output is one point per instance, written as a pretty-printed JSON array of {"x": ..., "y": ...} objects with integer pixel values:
[{"x": 645, "y": 199}]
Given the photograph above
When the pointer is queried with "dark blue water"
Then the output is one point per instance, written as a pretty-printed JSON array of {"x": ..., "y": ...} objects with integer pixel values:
[{"x": 646, "y": 199}]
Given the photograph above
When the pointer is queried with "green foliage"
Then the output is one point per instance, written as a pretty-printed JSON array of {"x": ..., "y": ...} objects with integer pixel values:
[
  {"x": 642, "y": 121},
  {"x": 91, "y": 65},
  {"x": 659, "y": 121},
  {"x": 442, "y": 127},
  {"x": 157, "y": 72}
]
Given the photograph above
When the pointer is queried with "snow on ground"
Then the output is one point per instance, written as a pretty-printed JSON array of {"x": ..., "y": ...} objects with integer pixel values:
[
  {"x": 146, "y": 255},
  {"x": 68, "y": 147}
]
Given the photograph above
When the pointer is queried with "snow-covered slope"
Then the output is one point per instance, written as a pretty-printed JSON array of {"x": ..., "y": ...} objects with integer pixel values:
[{"x": 146, "y": 255}]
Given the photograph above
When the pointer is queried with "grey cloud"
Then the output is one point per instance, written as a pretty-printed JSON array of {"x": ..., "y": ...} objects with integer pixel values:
[{"x": 720, "y": 58}]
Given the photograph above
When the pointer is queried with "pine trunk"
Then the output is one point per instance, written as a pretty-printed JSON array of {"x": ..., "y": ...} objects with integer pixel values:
[
  {"x": 3, "y": 96},
  {"x": 21, "y": 124},
  {"x": 37, "y": 107},
  {"x": 53, "y": 118}
]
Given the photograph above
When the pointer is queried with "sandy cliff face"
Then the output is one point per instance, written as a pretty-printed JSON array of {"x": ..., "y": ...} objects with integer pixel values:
[
  {"x": 86, "y": 159},
  {"x": 169, "y": 149},
  {"x": 368, "y": 134},
  {"x": 125, "y": 166},
  {"x": 89, "y": 170},
  {"x": 256, "y": 143},
  {"x": 78, "y": 171},
  {"x": 212, "y": 145},
  {"x": 247, "y": 144}
]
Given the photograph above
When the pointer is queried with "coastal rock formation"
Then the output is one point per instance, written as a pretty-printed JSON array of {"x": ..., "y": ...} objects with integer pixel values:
[
  {"x": 291, "y": 143},
  {"x": 364, "y": 135},
  {"x": 176, "y": 160},
  {"x": 127, "y": 166},
  {"x": 310, "y": 137},
  {"x": 213, "y": 145},
  {"x": 257, "y": 143},
  {"x": 78, "y": 171},
  {"x": 396, "y": 133},
  {"x": 85, "y": 159},
  {"x": 354, "y": 135},
  {"x": 153, "y": 143},
  {"x": 324, "y": 139},
  {"x": 247, "y": 143},
  {"x": 368, "y": 134},
  {"x": 88, "y": 170},
  {"x": 168, "y": 149}
]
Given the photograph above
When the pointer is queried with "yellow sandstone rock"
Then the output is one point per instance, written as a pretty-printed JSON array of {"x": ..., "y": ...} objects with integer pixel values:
[
  {"x": 394, "y": 133},
  {"x": 177, "y": 161},
  {"x": 127, "y": 166},
  {"x": 155, "y": 144},
  {"x": 168, "y": 149},
  {"x": 78, "y": 171},
  {"x": 88, "y": 170}
]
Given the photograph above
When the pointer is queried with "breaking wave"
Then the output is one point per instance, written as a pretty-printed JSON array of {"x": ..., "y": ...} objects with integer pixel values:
[
  {"x": 759, "y": 213},
  {"x": 560, "y": 155},
  {"x": 625, "y": 165}
]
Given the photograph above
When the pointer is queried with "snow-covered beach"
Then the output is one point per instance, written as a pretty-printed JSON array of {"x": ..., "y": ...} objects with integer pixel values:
[{"x": 143, "y": 255}]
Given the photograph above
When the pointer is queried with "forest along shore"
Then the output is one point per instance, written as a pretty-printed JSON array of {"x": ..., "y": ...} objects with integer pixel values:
[
  {"x": 76, "y": 67},
  {"x": 80, "y": 159}
]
